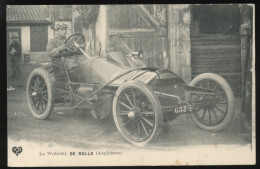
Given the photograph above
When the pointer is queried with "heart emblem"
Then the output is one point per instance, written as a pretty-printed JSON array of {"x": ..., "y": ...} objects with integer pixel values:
[{"x": 17, "y": 150}]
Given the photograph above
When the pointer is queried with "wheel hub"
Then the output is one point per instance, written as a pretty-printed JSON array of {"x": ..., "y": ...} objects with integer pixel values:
[{"x": 131, "y": 115}]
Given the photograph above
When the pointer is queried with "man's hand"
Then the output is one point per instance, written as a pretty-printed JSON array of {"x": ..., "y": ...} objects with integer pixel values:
[
  {"x": 62, "y": 47},
  {"x": 12, "y": 51}
]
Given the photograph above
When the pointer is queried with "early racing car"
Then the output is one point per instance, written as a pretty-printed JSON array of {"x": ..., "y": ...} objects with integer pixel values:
[{"x": 140, "y": 98}]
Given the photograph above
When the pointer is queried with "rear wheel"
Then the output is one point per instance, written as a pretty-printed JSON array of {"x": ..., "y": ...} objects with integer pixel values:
[
  {"x": 40, "y": 93},
  {"x": 216, "y": 115},
  {"x": 137, "y": 113}
]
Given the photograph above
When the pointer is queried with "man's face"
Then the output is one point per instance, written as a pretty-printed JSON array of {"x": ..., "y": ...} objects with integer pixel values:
[{"x": 62, "y": 32}]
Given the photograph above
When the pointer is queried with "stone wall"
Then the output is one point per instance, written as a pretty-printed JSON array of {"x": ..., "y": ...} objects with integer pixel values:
[
  {"x": 39, "y": 57},
  {"x": 179, "y": 19}
]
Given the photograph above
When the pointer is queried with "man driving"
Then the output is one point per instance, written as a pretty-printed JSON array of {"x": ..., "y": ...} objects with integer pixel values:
[{"x": 56, "y": 47}]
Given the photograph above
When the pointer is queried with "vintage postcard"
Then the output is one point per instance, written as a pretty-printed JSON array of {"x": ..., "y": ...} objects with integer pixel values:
[{"x": 130, "y": 85}]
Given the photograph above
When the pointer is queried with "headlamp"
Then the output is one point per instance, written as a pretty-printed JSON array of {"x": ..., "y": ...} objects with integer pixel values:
[{"x": 140, "y": 54}]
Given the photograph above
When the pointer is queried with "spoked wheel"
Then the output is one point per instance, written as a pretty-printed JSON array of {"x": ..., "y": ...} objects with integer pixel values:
[
  {"x": 219, "y": 110},
  {"x": 137, "y": 113},
  {"x": 75, "y": 38},
  {"x": 40, "y": 93}
]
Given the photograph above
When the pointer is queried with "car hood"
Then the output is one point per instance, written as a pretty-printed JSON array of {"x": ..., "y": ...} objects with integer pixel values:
[{"x": 144, "y": 76}]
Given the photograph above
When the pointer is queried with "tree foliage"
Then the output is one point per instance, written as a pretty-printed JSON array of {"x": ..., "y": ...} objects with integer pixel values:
[{"x": 88, "y": 14}]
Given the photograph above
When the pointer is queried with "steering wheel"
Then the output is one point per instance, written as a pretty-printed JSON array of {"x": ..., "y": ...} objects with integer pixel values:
[{"x": 77, "y": 38}]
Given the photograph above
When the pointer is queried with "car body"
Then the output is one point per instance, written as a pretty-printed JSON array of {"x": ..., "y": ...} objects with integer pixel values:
[{"x": 140, "y": 98}]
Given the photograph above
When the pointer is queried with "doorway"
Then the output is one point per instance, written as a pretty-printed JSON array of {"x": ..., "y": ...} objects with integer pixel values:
[
  {"x": 215, "y": 42},
  {"x": 9, "y": 34}
]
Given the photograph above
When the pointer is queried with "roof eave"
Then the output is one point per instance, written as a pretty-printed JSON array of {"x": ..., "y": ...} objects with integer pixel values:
[{"x": 28, "y": 23}]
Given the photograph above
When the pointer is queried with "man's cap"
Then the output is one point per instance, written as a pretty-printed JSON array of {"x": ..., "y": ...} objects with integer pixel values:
[{"x": 61, "y": 26}]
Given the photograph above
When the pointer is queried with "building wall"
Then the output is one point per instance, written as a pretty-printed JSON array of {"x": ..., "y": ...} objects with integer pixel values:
[
  {"x": 26, "y": 36},
  {"x": 35, "y": 57},
  {"x": 50, "y": 33},
  {"x": 179, "y": 19}
]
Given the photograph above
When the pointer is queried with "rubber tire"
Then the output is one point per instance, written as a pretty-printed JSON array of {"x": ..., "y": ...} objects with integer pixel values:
[
  {"x": 230, "y": 97},
  {"x": 50, "y": 88},
  {"x": 156, "y": 105}
]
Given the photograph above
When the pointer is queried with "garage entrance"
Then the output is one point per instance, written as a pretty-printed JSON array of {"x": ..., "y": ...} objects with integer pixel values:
[{"x": 215, "y": 42}]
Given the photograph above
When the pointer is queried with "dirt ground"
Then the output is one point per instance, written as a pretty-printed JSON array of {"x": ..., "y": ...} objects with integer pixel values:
[{"x": 80, "y": 129}]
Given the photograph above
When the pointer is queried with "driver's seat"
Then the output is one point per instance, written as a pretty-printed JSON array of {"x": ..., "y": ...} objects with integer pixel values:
[{"x": 58, "y": 69}]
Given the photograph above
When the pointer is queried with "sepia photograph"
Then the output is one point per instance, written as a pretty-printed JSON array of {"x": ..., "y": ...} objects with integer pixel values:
[{"x": 130, "y": 85}]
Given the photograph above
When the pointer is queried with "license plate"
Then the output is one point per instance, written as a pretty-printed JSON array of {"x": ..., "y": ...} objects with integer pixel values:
[{"x": 180, "y": 109}]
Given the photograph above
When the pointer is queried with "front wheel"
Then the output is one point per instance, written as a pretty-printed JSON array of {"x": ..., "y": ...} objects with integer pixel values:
[
  {"x": 137, "y": 113},
  {"x": 217, "y": 115}
]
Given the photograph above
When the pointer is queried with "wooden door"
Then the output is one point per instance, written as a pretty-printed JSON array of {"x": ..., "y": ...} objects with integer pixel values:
[
  {"x": 218, "y": 54},
  {"x": 39, "y": 38},
  {"x": 215, "y": 42},
  {"x": 139, "y": 27}
]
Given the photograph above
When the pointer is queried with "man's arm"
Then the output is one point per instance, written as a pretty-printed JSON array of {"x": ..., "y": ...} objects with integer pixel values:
[
  {"x": 18, "y": 50},
  {"x": 10, "y": 48},
  {"x": 56, "y": 51},
  {"x": 52, "y": 49}
]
